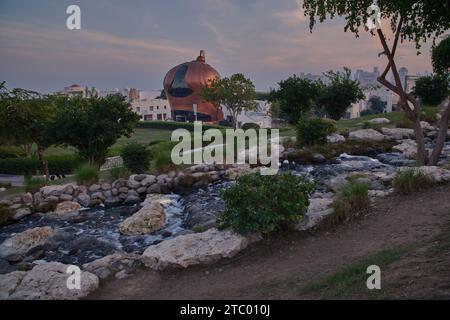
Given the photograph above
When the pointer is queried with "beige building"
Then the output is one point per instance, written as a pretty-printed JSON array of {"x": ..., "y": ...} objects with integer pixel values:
[{"x": 153, "y": 109}]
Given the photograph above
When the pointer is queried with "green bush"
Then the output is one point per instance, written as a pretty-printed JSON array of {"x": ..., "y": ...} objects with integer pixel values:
[
  {"x": 6, "y": 214},
  {"x": 136, "y": 157},
  {"x": 161, "y": 155},
  {"x": 250, "y": 125},
  {"x": 87, "y": 175},
  {"x": 33, "y": 185},
  {"x": 312, "y": 131},
  {"x": 11, "y": 152},
  {"x": 351, "y": 201},
  {"x": 264, "y": 204},
  {"x": 410, "y": 181},
  {"x": 31, "y": 166},
  {"x": 119, "y": 173}
]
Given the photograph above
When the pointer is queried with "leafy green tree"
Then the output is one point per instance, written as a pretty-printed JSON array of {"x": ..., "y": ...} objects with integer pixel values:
[
  {"x": 410, "y": 20},
  {"x": 136, "y": 157},
  {"x": 24, "y": 120},
  {"x": 296, "y": 97},
  {"x": 432, "y": 90},
  {"x": 92, "y": 125},
  {"x": 336, "y": 97},
  {"x": 376, "y": 105},
  {"x": 236, "y": 94},
  {"x": 440, "y": 57}
]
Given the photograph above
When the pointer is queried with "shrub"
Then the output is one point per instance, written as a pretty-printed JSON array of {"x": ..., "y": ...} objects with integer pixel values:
[
  {"x": 11, "y": 152},
  {"x": 136, "y": 157},
  {"x": 87, "y": 175},
  {"x": 161, "y": 155},
  {"x": 33, "y": 185},
  {"x": 312, "y": 131},
  {"x": 171, "y": 125},
  {"x": 31, "y": 166},
  {"x": 119, "y": 173},
  {"x": 6, "y": 214},
  {"x": 351, "y": 201},
  {"x": 411, "y": 180},
  {"x": 265, "y": 203},
  {"x": 250, "y": 125}
]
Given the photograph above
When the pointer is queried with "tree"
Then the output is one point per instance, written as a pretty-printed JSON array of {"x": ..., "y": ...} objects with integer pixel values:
[
  {"x": 92, "y": 125},
  {"x": 236, "y": 94},
  {"x": 336, "y": 97},
  {"x": 296, "y": 97},
  {"x": 24, "y": 120},
  {"x": 432, "y": 90},
  {"x": 411, "y": 20},
  {"x": 440, "y": 57},
  {"x": 376, "y": 105}
]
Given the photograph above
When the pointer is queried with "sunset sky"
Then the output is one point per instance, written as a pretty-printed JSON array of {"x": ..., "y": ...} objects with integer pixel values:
[{"x": 134, "y": 43}]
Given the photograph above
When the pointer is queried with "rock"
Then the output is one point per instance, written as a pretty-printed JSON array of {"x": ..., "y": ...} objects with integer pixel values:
[
  {"x": 133, "y": 184},
  {"x": 337, "y": 182},
  {"x": 379, "y": 121},
  {"x": 426, "y": 126},
  {"x": 335, "y": 138},
  {"x": 84, "y": 199},
  {"x": 112, "y": 201},
  {"x": 407, "y": 147},
  {"x": 49, "y": 282},
  {"x": 132, "y": 199},
  {"x": 141, "y": 190},
  {"x": 398, "y": 133},
  {"x": 94, "y": 188},
  {"x": 154, "y": 188},
  {"x": 67, "y": 206},
  {"x": 98, "y": 195},
  {"x": 22, "y": 242},
  {"x": 380, "y": 193},
  {"x": 123, "y": 190},
  {"x": 318, "y": 158},
  {"x": 149, "y": 180},
  {"x": 436, "y": 174},
  {"x": 21, "y": 213},
  {"x": 366, "y": 134},
  {"x": 194, "y": 249},
  {"x": 27, "y": 198},
  {"x": 111, "y": 265},
  {"x": 106, "y": 186},
  {"x": 69, "y": 189},
  {"x": 66, "y": 197},
  {"x": 318, "y": 209},
  {"x": 149, "y": 219},
  {"x": 9, "y": 282},
  {"x": 55, "y": 190},
  {"x": 140, "y": 177}
]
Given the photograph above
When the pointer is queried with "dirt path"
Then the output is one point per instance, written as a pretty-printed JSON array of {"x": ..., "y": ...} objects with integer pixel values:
[{"x": 281, "y": 267}]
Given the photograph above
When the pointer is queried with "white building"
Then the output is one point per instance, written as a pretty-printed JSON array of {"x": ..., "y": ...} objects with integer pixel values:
[
  {"x": 153, "y": 109},
  {"x": 260, "y": 116},
  {"x": 79, "y": 91}
]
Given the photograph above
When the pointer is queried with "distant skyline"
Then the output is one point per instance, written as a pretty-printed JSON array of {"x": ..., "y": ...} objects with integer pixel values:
[{"x": 134, "y": 43}]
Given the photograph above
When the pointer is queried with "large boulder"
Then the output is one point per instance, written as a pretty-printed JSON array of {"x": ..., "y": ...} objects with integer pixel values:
[
  {"x": 436, "y": 174},
  {"x": 149, "y": 219},
  {"x": 9, "y": 282},
  {"x": 49, "y": 282},
  {"x": 318, "y": 209},
  {"x": 398, "y": 133},
  {"x": 195, "y": 249},
  {"x": 116, "y": 264},
  {"x": 366, "y": 134},
  {"x": 22, "y": 242},
  {"x": 57, "y": 190},
  {"x": 67, "y": 207},
  {"x": 335, "y": 138},
  {"x": 379, "y": 121},
  {"x": 407, "y": 147}
]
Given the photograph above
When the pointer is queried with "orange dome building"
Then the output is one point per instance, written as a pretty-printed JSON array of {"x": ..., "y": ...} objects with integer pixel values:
[{"x": 183, "y": 85}]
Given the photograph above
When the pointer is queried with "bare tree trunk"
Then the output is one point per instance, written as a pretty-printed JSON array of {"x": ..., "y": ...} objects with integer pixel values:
[
  {"x": 442, "y": 135},
  {"x": 44, "y": 162},
  {"x": 412, "y": 114}
]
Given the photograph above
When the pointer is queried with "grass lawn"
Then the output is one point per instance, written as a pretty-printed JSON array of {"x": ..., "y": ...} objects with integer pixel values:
[{"x": 357, "y": 123}]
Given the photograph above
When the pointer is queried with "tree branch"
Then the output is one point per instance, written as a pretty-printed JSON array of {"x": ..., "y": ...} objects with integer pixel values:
[{"x": 394, "y": 47}]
